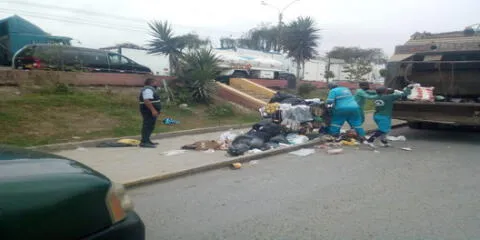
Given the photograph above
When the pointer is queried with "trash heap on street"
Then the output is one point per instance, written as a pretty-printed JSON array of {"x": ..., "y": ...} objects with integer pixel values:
[{"x": 286, "y": 120}]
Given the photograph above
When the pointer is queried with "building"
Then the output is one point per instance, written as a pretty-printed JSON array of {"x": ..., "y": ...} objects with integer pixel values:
[{"x": 16, "y": 32}]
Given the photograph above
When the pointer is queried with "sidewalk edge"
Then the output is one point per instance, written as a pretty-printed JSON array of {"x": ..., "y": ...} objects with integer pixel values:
[
  {"x": 226, "y": 163},
  {"x": 95, "y": 142}
]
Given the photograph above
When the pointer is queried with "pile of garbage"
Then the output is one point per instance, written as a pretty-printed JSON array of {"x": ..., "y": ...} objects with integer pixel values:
[{"x": 286, "y": 120}]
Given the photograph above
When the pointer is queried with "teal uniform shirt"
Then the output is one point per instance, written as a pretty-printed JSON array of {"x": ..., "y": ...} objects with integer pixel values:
[
  {"x": 384, "y": 103},
  {"x": 361, "y": 96}
]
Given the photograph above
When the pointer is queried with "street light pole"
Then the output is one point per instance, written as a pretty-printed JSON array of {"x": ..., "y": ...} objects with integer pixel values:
[{"x": 280, "y": 16}]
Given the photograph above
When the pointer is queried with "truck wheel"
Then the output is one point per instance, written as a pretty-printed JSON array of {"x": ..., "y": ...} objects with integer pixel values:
[{"x": 415, "y": 125}]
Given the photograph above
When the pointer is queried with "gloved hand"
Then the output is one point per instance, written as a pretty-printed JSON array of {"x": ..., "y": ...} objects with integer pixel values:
[{"x": 397, "y": 92}]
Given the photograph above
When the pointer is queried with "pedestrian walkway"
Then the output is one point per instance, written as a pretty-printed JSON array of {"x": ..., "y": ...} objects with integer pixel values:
[{"x": 126, "y": 165}]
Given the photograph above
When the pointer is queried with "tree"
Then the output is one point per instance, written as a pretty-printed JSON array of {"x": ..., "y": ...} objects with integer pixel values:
[
  {"x": 358, "y": 60},
  {"x": 164, "y": 42},
  {"x": 329, "y": 75},
  {"x": 300, "y": 40},
  {"x": 383, "y": 72},
  {"x": 356, "y": 71},
  {"x": 198, "y": 71}
]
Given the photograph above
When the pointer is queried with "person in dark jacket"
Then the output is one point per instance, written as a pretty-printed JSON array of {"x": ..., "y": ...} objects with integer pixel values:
[{"x": 150, "y": 108}]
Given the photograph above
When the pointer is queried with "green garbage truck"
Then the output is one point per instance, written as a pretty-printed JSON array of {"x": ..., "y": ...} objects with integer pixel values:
[{"x": 449, "y": 62}]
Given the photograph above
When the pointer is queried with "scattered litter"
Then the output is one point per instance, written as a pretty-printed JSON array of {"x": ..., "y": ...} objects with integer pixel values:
[
  {"x": 209, "y": 151},
  {"x": 322, "y": 146},
  {"x": 81, "y": 149},
  {"x": 227, "y": 137},
  {"x": 303, "y": 152},
  {"x": 296, "y": 139},
  {"x": 335, "y": 151},
  {"x": 407, "y": 149},
  {"x": 183, "y": 106},
  {"x": 352, "y": 142},
  {"x": 174, "y": 152},
  {"x": 254, "y": 162},
  {"x": 254, "y": 151},
  {"x": 236, "y": 165},
  {"x": 119, "y": 143},
  {"x": 399, "y": 138},
  {"x": 169, "y": 121},
  {"x": 76, "y": 138},
  {"x": 132, "y": 142},
  {"x": 376, "y": 151},
  {"x": 203, "y": 145}
]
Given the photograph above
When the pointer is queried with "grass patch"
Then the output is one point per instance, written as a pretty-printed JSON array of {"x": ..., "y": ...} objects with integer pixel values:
[{"x": 62, "y": 115}]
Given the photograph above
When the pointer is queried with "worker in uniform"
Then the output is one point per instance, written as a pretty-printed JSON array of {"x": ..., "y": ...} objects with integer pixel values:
[
  {"x": 150, "y": 108},
  {"x": 343, "y": 107},
  {"x": 361, "y": 95},
  {"x": 383, "y": 113}
]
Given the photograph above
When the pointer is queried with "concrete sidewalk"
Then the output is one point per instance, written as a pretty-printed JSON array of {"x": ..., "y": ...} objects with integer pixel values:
[{"x": 133, "y": 165}]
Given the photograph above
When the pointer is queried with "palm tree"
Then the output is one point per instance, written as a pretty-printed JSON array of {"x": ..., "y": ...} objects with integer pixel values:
[
  {"x": 164, "y": 42},
  {"x": 198, "y": 71},
  {"x": 300, "y": 40}
]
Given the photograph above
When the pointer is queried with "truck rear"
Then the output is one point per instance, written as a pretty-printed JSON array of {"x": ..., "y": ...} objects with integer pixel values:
[{"x": 449, "y": 62}]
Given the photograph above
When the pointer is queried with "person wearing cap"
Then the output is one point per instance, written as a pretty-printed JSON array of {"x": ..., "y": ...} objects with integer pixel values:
[
  {"x": 150, "y": 108},
  {"x": 361, "y": 95},
  {"x": 343, "y": 108},
  {"x": 383, "y": 113}
]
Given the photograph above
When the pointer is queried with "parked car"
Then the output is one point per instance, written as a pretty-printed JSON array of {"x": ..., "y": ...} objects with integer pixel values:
[
  {"x": 69, "y": 58},
  {"x": 51, "y": 197}
]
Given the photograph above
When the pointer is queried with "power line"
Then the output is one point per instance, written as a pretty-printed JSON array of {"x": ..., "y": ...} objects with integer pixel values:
[
  {"x": 74, "y": 10},
  {"x": 75, "y": 21}
]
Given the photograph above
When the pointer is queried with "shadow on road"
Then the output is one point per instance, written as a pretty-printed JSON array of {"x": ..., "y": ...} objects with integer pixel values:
[{"x": 464, "y": 135}]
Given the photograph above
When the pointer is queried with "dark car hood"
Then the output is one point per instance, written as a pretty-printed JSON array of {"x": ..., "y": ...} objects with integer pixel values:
[
  {"x": 41, "y": 192},
  {"x": 18, "y": 162}
]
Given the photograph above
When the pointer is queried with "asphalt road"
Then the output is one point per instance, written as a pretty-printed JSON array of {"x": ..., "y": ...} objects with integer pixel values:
[{"x": 432, "y": 192}]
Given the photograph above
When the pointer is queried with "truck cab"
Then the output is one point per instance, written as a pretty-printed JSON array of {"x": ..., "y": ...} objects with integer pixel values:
[{"x": 449, "y": 62}]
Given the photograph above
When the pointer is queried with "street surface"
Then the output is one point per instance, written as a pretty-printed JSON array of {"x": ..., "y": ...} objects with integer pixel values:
[{"x": 432, "y": 192}]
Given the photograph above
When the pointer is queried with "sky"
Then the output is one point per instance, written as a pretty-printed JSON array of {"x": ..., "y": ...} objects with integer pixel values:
[{"x": 361, "y": 23}]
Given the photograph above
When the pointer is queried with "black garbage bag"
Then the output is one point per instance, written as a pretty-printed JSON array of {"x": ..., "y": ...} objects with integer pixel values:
[
  {"x": 279, "y": 97},
  {"x": 243, "y": 143},
  {"x": 294, "y": 101},
  {"x": 279, "y": 139},
  {"x": 265, "y": 129}
]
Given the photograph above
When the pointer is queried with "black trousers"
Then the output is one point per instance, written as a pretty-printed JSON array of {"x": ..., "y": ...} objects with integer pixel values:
[{"x": 148, "y": 126}]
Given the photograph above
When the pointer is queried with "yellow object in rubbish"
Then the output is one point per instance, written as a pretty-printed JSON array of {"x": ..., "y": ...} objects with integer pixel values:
[
  {"x": 237, "y": 165},
  {"x": 271, "y": 107},
  {"x": 132, "y": 142},
  {"x": 349, "y": 143}
]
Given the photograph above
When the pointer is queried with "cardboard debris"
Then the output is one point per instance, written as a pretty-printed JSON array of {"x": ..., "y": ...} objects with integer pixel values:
[{"x": 407, "y": 149}]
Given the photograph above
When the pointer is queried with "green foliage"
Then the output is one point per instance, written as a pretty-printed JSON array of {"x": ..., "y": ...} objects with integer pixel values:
[
  {"x": 300, "y": 40},
  {"x": 221, "y": 111},
  {"x": 355, "y": 54},
  {"x": 164, "y": 42},
  {"x": 356, "y": 71},
  {"x": 305, "y": 89},
  {"x": 383, "y": 72},
  {"x": 329, "y": 75},
  {"x": 198, "y": 70}
]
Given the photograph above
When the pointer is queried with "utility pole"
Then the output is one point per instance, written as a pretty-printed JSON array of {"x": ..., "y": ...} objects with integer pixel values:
[{"x": 280, "y": 17}]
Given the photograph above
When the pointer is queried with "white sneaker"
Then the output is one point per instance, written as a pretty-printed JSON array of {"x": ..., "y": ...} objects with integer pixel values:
[{"x": 369, "y": 144}]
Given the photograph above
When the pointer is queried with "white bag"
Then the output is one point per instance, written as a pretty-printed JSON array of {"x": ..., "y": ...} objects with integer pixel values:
[{"x": 420, "y": 93}]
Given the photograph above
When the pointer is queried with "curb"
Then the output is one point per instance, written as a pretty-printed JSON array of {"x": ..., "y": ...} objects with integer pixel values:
[
  {"x": 95, "y": 142},
  {"x": 241, "y": 159}
]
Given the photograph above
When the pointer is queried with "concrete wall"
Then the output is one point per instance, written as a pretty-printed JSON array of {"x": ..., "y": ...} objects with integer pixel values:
[{"x": 29, "y": 78}]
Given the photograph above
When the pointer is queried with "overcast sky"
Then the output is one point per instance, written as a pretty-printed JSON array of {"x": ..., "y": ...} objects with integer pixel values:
[{"x": 363, "y": 23}]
